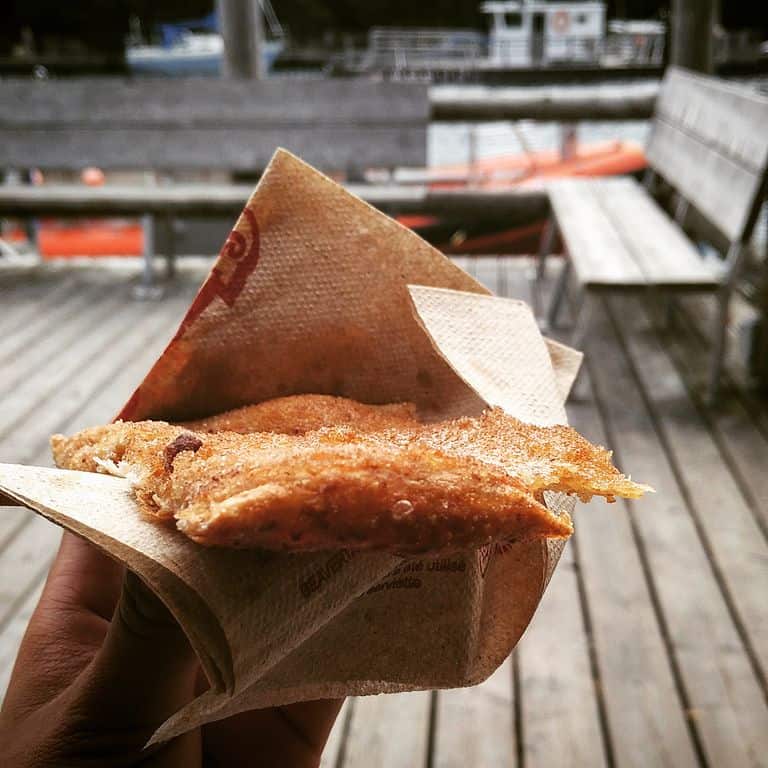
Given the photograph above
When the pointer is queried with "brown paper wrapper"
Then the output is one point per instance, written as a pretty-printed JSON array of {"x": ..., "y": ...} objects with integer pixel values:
[{"x": 315, "y": 291}]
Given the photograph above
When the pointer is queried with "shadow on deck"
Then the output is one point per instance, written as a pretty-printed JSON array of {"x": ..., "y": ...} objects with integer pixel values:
[{"x": 651, "y": 644}]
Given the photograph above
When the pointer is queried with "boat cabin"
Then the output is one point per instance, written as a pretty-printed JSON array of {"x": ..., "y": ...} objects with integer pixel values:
[{"x": 531, "y": 33}]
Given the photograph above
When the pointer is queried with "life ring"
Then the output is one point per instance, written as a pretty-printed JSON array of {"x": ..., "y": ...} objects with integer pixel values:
[{"x": 561, "y": 21}]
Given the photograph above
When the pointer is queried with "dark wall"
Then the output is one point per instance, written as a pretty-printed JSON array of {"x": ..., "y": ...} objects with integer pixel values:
[
  {"x": 98, "y": 25},
  {"x": 101, "y": 25}
]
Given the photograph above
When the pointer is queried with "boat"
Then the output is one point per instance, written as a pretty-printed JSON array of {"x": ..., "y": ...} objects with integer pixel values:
[
  {"x": 531, "y": 170},
  {"x": 56, "y": 239},
  {"x": 192, "y": 54},
  {"x": 195, "y": 48},
  {"x": 524, "y": 36}
]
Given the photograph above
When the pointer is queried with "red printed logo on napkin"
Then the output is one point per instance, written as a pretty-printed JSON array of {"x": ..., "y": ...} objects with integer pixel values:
[{"x": 237, "y": 260}]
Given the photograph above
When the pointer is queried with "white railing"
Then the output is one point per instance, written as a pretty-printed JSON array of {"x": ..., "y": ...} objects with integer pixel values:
[
  {"x": 632, "y": 49},
  {"x": 402, "y": 51}
]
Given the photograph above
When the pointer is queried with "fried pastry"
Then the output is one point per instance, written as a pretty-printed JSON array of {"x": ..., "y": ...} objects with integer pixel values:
[
  {"x": 380, "y": 480},
  {"x": 298, "y": 414}
]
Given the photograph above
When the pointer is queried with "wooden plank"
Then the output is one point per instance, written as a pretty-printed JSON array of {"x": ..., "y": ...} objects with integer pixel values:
[
  {"x": 723, "y": 191},
  {"x": 11, "y": 520},
  {"x": 734, "y": 420},
  {"x": 727, "y": 709},
  {"x": 196, "y": 101},
  {"x": 24, "y": 562},
  {"x": 389, "y": 731},
  {"x": 708, "y": 140},
  {"x": 726, "y": 116},
  {"x": 576, "y": 102},
  {"x": 739, "y": 549},
  {"x": 41, "y": 381},
  {"x": 659, "y": 247},
  {"x": 207, "y": 200},
  {"x": 644, "y": 714},
  {"x": 99, "y": 384},
  {"x": 12, "y": 634},
  {"x": 559, "y": 710},
  {"x": 51, "y": 333},
  {"x": 100, "y": 407},
  {"x": 475, "y": 726},
  {"x": 235, "y": 148},
  {"x": 25, "y": 437},
  {"x": 149, "y": 333},
  {"x": 22, "y": 307},
  {"x": 203, "y": 123},
  {"x": 83, "y": 400},
  {"x": 559, "y": 706},
  {"x": 630, "y": 657},
  {"x": 599, "y": 256}
]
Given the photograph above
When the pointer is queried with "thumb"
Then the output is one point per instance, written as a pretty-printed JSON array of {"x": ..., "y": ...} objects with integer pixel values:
[{"x": 145, "y": 670}]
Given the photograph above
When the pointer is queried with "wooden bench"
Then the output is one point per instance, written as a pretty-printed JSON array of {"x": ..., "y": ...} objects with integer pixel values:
[
  {"x": 709, "y": 143},
  {"x": 173, "y": 127}
]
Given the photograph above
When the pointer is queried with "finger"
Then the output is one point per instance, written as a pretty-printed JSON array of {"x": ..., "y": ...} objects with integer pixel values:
[
  {"x": 290, "y": 735},
  {"x": 68, "y": 624},
  {"x": 145, "y": 670},
  {"x": 83, "y": 577}
]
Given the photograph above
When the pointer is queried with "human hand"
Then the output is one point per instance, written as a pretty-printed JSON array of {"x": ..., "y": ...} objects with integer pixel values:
[{"x": 103, "y": 664}]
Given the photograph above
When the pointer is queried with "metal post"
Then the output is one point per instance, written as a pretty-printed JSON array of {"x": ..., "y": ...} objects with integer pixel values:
[
  {"x": 147, "y": 289},
  {"x": 545, "y": 248},
  {"x": 734, "y": 259},
  {"x": 568, "y": 141},
  {"x": 561, "y": 288},
  {"x": 692, "y": 34},
  {"x": 474, "y": 171},
  {"x": 242, "y": 28},
  {"x": 169, "y": 225}
]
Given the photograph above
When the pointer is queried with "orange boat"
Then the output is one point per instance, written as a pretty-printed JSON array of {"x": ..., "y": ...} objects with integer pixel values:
[
  {"x": 92, "y": 237},
  {"x": 523, "y": 171},
  {"x": 605, "y": 158},
  {"x": 125, "y": 237}
]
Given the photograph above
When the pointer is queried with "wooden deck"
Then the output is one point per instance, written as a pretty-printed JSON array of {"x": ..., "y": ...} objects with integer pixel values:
[{"x": 651, "y": 644}]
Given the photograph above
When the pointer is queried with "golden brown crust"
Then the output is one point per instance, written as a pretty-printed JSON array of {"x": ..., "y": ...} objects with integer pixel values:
[
  {"x": 298, "y": 414},
  {"x": 405, "y": 486}
]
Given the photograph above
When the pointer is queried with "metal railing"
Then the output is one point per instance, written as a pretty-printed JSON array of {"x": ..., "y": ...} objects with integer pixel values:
[{"x": 400, "y": 53}]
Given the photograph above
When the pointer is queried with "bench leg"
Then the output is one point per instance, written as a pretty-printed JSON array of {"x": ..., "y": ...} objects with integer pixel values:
[
  {"x": 170, "y": 256},
  {"x": 545, "y": 248},
  {"x": 719, "y": 343},
  {"x": 736, "y": 255},
  {"x": 147, "y": 289},
  {"x": 583, "y": 308},
  {"x": 670, "y": 311},
  {"x": 560, "y": 291}
]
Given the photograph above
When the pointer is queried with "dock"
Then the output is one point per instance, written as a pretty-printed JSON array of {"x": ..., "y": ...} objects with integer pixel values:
[{"x": 650, "y": 647}]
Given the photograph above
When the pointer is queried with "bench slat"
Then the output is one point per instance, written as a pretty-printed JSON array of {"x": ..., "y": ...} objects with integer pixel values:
[
  {"x": 727, "y": 117},
  {"x": 665, "y": 256},
  {"x": 617, "y": 236},
  {"x": 722, "y": 190},
  {"x": 210, "y": 123},
  {"x": 591, "y": 240},
  {"x": 184, "y": 102},
  {"x": 709, "y": 141},
  {"x": 225, "y": 148}
]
